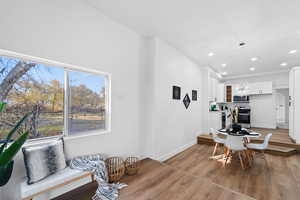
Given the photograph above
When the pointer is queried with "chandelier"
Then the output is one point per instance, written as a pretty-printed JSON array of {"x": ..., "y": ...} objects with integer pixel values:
[{"x": 243, "y": 89}]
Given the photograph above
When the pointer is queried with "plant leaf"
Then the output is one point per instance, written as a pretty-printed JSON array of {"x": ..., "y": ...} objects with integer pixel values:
[
  {"x": 2, "y": 106},
  {"x": 12, "y": 131},
  {"x": 9, "y": 153}
]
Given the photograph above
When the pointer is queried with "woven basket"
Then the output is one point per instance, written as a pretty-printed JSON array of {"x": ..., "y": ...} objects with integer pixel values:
[
  {"x": 115, "y": 168},
  {"x": 132, "y": 165}
]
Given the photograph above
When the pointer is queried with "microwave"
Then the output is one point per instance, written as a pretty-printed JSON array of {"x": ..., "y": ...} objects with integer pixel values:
[{"x": 240, "y": 98}]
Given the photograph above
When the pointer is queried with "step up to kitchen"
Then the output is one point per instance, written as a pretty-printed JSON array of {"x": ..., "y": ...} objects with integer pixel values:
[{"x": 280, "y": 150}]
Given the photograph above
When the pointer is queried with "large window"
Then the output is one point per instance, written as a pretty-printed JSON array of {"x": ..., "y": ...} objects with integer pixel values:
[
  {"x": 62, "y": 100},
  {"x": 87, "y": 102}
]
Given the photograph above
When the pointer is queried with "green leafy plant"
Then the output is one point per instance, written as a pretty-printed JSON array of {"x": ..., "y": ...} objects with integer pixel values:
[{"x": 9, "y": 148}]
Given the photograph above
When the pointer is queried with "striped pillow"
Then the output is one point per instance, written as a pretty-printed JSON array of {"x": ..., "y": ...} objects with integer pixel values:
[{"x": 43, "y": 160}]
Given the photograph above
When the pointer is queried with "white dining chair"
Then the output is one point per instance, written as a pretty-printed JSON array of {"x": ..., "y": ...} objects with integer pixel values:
[
  {"x": 260, "y": 147},
  {"x": 235, "y": 144},
  {"x": 216, "y": 139}
]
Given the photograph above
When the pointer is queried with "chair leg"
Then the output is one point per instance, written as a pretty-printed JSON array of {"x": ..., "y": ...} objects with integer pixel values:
[
  {"x": 245, "y": 159},
  {"x": 251, "y": 154},
  {"x": 225, "y": 151},
  {"x": 228, "y": 154},
  {"x": 248, "y": 154},
  {"x": 215, "y": 149},
  {"x": 241, "y": 160}
]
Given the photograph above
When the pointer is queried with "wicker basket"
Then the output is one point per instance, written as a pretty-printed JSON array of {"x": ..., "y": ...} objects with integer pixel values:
[
  {"x": 115, "y": 168},
  {"x": 132, "y": 165}
]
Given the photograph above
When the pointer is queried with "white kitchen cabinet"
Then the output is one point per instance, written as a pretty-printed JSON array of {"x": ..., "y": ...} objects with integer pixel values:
[
  {"x": 235, "y": 90},
  {"x": 220, "y": 92},
  {"x": 215, "y": 120},
  {"x": 213, "y": 86},
  {"x": 260, "y": 88},
  {"x": 254, "y": 89},
  {"x": 214, "y": 89},
  {"x": 210, "y": 89}
]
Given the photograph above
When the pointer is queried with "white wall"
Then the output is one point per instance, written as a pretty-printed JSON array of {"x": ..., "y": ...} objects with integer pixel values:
[
  {"x": 71, "y": 31},
  {"x": 174, "y": 127}
]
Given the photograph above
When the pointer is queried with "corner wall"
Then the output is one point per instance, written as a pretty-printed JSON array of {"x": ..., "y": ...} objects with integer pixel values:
[{"x": 174, "y": 128}]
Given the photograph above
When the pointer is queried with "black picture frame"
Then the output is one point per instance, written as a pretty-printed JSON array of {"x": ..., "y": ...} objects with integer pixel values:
[
  {"x": 176, "y": 92},
  {"x": 194, "y": 95}
]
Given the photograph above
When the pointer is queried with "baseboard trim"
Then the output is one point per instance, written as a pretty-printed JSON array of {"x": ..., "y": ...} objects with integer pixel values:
[{"x": 176, "y": 151}]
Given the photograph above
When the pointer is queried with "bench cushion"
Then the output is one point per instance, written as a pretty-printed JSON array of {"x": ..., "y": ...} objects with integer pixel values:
[{"x": 61, "y": 177}]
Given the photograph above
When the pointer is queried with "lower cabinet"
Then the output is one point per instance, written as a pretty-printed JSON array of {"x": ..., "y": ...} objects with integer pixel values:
[{"x": 215, "y": 120}]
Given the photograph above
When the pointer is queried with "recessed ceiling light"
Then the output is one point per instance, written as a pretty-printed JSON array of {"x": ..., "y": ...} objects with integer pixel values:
[
  {"x": 219, "y": 75},
  {"x": 252, "y": 69},
  {"x": 224, "y": 65},
  {"x": 284, "y": 64},
  {"x": 292, "y": 51},
  {"x": 211, "y": 54},
  {"x": 224, "y": 73},
  {"x": 254, "y": 59}
]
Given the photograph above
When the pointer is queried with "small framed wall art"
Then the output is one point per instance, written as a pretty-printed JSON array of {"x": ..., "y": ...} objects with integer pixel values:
[
  {"x": 176, "y": 92},
  {"x": 194, "y": 95},
  {"x": 186, "y": 101}
]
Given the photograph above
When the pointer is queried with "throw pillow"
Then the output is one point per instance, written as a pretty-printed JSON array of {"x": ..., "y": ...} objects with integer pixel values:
[{"x": 43, "y": 160}]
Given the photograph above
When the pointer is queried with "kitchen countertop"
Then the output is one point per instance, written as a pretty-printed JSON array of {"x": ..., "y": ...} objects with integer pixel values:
[{"x": 215, "y": 111}]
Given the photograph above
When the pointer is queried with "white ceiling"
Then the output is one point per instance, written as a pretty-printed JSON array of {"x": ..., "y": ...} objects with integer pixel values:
[{"x": 270, "y": 29}]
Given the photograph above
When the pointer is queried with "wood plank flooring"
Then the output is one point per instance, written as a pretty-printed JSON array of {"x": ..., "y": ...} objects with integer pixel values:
[
  {"x": 279, "y": 135},
  {"x": 190, "y": 175},
  {"x": 275, "y": 178}
]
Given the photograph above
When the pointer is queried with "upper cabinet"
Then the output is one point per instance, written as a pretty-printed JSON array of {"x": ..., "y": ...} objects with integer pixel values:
[
  {"x": 216, "y": 90},
  {"x": 221, "y": 92},
  {"x": 260, "y": 88},
  {"x": 228, "y": 93}
]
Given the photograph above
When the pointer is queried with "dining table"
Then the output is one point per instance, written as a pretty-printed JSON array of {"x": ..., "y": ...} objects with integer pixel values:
[
  {"x": 250, "y": 134},
  {"x": 246, "y": 134}
]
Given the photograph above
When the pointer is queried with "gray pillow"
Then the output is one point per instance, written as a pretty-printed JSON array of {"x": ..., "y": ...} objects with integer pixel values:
[{"x": 43, "y": 160}]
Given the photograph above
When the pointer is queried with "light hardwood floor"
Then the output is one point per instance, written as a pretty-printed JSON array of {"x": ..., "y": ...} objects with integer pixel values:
[
  {"x": 190, "y": 175},
  {"x": 276, "y": 178},
  {"x": 279, "y": 135}
]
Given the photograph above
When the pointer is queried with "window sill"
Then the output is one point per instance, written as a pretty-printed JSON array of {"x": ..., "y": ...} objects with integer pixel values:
[
  {"x": 79, "y": 135},
  {"x": 41, "y": 140},
  {"x": 86, "y": 134}
]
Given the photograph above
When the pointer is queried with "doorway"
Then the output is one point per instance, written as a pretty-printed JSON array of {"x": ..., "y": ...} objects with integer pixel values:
[{"x": 282, "y": 108}]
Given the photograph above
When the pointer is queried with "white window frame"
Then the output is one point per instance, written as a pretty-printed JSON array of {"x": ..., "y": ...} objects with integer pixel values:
[{"x": 67, "y": 68}]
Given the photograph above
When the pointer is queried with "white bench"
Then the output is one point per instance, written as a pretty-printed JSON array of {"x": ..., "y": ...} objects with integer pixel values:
[{"x": 59, "y": 179}]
